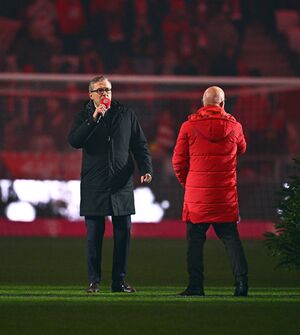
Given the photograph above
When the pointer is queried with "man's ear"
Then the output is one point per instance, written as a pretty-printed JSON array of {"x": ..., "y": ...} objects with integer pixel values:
[{"x": 222, "y": 104}]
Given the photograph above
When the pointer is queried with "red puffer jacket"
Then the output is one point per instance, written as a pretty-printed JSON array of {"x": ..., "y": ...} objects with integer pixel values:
[{"x": 204, "y": 162}]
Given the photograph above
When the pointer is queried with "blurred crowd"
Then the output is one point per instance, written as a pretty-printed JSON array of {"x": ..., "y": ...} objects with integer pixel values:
[
  {"x": 164, "y": 37},
  {"x": 183, "y": 37}
]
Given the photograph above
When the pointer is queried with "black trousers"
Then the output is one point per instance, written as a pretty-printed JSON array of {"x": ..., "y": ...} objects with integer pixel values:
[
  {"x": 95, "y": 227},
  {"x": 228, "y": 234}
]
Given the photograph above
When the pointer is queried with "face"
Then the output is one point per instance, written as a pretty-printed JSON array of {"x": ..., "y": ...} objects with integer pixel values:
[{"x": 101, "y": 89}]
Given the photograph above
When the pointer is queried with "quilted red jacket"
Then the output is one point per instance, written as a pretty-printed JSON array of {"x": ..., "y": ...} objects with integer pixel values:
[{"x": 204, "y": 162}]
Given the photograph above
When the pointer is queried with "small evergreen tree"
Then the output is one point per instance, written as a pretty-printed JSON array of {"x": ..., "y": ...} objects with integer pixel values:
[{"x": 284, "y": 243}]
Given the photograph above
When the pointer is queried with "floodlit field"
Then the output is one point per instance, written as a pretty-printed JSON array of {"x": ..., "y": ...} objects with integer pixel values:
[{"x": 42, "y": 284}]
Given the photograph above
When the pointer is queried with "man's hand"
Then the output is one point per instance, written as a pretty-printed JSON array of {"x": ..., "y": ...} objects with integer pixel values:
[
  {"x": 146, "y": 178},
  {"x": 99, "y": 111}
]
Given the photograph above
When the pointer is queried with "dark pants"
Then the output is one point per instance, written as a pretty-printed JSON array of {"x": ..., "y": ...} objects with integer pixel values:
[
  {"x": 228, "y": 233},
  {"x": 95, "y": 227}
]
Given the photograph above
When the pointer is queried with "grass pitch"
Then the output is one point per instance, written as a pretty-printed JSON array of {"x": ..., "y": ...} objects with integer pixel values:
[{"x": 42, "y": 284}]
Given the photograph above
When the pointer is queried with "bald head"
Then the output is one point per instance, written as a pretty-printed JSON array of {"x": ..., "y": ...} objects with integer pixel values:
[{"x": 214, "y": 96}]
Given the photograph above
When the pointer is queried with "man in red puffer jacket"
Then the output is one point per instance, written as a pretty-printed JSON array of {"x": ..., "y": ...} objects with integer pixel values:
[{"x": 204, "y": 162}]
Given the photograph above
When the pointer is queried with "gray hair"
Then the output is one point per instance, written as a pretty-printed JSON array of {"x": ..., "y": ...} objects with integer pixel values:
[{"x": 97, "y": 80}]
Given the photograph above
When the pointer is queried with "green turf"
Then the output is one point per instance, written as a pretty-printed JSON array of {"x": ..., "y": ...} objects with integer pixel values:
[
  {"x": 68, "y": 310},
  {"x": 42, "y": 285},
  {"x": 73, "y": 294}
]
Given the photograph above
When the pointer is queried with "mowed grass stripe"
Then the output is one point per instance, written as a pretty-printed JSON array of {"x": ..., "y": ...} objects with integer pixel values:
[{"x": 146, "y": 294}]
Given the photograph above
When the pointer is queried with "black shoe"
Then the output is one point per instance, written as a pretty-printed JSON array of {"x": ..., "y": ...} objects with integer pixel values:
[
  {"x": 192, "y": 291},
  {"x": 122, "y": 287},
  {"x": 241, "y": 289},
  {"x": 93, "y": 288}
]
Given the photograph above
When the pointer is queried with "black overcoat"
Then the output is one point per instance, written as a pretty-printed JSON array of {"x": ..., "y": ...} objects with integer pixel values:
[{"x": 108, "y": 148}]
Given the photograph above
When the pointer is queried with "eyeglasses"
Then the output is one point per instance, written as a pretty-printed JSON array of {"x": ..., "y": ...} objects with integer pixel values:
[{"x": 101, "y": 90}]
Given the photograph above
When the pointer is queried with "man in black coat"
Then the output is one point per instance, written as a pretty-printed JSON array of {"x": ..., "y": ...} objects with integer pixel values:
[{"x": 110, "y": 137}]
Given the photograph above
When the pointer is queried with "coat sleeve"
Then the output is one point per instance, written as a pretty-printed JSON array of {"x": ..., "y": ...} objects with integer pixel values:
[
  {"x": 139, "y": 147},
  {"x": 81, "y": 130},
  {"x": 181, "y": 156},
  {"x": 241, "y": 142}
]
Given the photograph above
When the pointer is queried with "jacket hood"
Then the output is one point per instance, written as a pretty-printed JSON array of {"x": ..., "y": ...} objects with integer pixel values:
[{"x": 213, "y": 122}]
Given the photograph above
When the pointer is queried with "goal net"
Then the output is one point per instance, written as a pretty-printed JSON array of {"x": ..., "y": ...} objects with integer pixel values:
[{"x": 39, "y": 171}]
